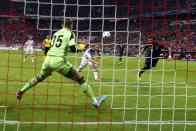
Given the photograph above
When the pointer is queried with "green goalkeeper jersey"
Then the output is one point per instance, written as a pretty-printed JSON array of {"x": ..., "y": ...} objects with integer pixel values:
[
  {"x": 56, "y": 57},
  {"x": 61, "y": 41}
]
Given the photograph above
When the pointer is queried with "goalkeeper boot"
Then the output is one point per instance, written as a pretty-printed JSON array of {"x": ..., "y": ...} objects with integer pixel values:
[
  {"x": 19, "y": 95},
  {"x": 99, "y": 101}
]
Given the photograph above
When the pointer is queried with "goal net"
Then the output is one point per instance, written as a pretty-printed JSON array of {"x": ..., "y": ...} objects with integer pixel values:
[{"x": 164, "y": 99}]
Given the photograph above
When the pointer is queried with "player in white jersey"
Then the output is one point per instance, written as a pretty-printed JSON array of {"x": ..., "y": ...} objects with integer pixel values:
[
  {"x": 29, "y": 48},
  {"x": 88, "y": 59}
]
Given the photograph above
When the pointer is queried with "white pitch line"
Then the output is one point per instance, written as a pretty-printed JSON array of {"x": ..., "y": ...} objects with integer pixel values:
[
  {"x": 102, "y": 122},
  {"x": 3, "y": 106},
  {"x": 106, "y": 84}
]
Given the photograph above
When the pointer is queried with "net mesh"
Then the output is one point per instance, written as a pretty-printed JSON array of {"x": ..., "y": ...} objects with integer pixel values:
[{"x": 163, "y": 100}]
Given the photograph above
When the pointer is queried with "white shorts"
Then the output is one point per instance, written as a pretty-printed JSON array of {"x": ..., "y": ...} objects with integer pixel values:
[
  {"x": 84, "y": 63},
  {"x": 29, "y": 50}
]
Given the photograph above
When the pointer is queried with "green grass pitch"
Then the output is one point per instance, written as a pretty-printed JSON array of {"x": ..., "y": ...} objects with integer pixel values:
[{"x": 168, "y": 96}]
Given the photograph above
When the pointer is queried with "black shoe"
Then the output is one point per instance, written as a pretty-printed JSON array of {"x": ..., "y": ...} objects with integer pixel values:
[{"x": 19, "y": 95}]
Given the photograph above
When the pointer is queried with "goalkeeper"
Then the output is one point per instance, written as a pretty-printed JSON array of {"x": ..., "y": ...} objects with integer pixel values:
[{"x": 56, "y": 61}]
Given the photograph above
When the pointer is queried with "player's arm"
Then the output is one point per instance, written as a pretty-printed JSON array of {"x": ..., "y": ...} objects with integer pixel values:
[
  {"x": 73, "y": 48},
  {"x": 72, "y": 43},
  {"x": 33, "y": 44},
  {"x": 98, "y": 54},
  {"x": 93, "y": 60},
  {"x": 44, "y": 43},
  {"x": 169, "y": 50},
  {"x": 50, "y": 42},
  {"x": 142, "y": 49},
  {"x": 90, "y": 58},
  {"x": 25, "y": 45}
]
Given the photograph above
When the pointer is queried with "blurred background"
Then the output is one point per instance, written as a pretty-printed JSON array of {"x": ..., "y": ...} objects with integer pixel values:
[{"x": 172, "y": 21}]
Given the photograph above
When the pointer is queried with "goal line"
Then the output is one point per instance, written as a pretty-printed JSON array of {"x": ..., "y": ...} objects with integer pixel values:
[{"x": 12, "y": 122}]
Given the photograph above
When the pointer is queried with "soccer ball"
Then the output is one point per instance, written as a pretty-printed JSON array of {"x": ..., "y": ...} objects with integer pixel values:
[{"x": 106, "y": 34}]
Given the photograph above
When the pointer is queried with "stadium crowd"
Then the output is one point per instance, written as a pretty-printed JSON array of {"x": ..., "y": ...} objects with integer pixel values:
[{"x": 177, "y": 33}]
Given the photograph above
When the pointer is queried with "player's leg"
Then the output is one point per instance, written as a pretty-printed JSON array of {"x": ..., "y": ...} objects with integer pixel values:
[
  {"x": 34, "y": 81},
  {"x": 25, "y": 57},
  {"x": 96, "y": 73},
  {"x": 26, "y": 53},
  {"x": 120, "y": 60},
  {"x": 32, "y": 54},
  {"x": 147, "y": 66},
  {"x": 46, "y": 49},
  {"x": 120, "y": 56},
  {"x": 154, "y": 62},
  {"x": 72, "y": 74},
  {"x": 82, "y": 65}
]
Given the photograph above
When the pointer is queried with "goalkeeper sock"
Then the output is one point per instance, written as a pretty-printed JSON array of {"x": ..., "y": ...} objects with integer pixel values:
[
  {"x": 88, "y": 90},
  {"x": 30, "y": 84},
  {"x": 34, "y": 81}
]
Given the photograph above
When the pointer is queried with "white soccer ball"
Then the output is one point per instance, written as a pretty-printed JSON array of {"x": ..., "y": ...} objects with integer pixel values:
[{"x": 106, "y": 34}]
